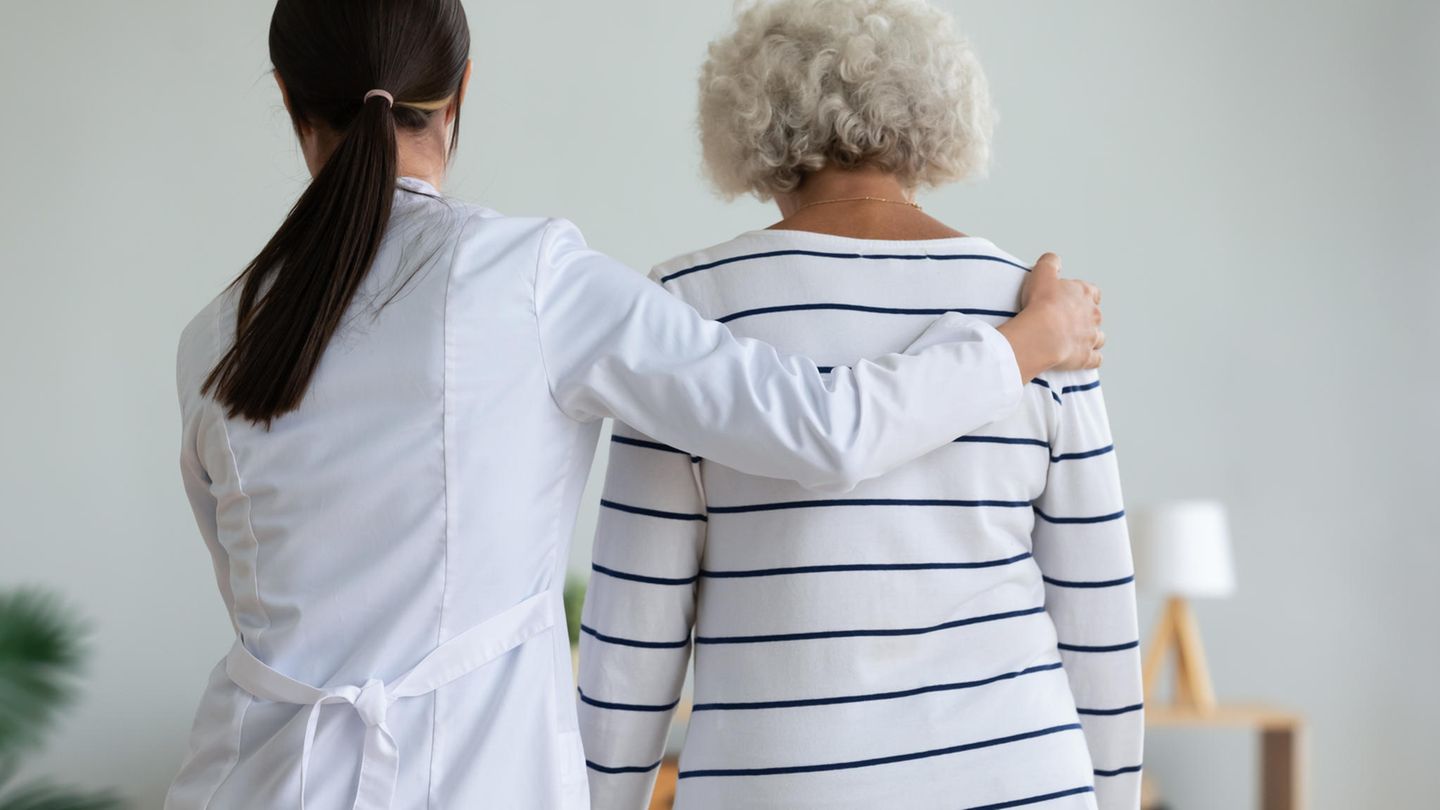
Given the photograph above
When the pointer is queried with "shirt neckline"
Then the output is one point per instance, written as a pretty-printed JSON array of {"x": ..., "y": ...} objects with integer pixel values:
[
  {"x": 417, "y": 186},
  {"x": 788, "y": 233}
]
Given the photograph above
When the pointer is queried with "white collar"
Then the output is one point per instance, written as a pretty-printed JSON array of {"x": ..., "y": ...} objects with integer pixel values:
[{"x": 418, "y": 186}]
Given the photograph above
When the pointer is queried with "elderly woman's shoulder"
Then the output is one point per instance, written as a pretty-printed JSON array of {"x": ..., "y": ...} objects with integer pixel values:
[{"x": 694, "y": 264}]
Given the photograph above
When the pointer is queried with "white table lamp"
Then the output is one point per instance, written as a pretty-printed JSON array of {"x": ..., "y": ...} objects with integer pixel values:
[{"x": 1182, "y": 550}]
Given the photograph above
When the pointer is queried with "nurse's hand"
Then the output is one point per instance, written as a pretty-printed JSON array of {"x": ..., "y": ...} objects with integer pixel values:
[{"x": 1059, "y": 322}]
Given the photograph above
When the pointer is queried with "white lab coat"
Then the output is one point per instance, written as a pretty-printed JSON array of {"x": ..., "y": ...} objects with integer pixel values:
[{"x": 391, "y": 554}]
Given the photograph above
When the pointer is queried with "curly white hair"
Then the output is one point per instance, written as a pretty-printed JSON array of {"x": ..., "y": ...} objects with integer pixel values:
[{"x": 802, "y": 84}]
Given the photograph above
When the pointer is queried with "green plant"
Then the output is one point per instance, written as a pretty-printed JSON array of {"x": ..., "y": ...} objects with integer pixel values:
[
  {"x": 40, "y": 654},
  {"x": 574, "y": 601}
]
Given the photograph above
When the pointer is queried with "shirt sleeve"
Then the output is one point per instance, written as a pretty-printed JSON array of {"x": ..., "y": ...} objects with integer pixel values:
[
  {"x": 196, "y": 480},
  {"x": 639, "y": 611},
  {"x": 1083, "y": 550},
  {"x": 616, "y": 344}
]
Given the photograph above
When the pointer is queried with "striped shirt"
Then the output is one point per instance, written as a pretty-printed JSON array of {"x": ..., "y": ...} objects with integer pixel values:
[{"x": 960, "y": 631}]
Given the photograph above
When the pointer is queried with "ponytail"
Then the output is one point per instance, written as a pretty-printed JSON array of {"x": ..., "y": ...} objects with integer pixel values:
[
  {"x": 296, "y": 292},
  {"x": 315, "y": 263}
]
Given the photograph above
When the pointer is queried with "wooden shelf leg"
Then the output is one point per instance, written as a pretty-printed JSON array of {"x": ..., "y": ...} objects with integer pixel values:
[
  {"x": 1195, "y": 687},
  {"x": 1160, "y": 643},
  {"x": 1280, "y": 776}
]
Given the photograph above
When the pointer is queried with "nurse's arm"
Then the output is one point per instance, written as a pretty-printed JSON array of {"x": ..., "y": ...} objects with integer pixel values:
[
  {"x": 199, "y": 424},
  {"x": 616, "y": 345}
]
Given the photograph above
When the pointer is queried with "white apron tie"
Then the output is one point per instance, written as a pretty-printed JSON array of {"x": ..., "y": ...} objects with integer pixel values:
[{"x": 380, "y": 756}]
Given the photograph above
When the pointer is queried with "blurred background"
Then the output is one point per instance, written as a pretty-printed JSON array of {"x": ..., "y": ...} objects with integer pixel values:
[{"x": 1254, "y": 183}]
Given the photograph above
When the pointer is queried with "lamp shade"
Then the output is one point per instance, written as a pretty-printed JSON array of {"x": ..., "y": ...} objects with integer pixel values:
[{"x": 1182, "y": 548}]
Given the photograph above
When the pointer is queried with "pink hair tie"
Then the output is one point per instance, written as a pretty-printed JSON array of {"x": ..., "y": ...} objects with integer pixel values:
[{"x": 381, "y": 94}]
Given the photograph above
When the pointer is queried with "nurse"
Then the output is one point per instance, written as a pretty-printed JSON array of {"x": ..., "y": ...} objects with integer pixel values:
[{"x": 388, "y": 420}]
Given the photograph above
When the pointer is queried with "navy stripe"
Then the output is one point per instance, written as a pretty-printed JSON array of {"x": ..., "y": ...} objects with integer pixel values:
[
  {"x": 866, "y": 763},
  {"x": 1069, "y": 389},
  {"x": 1104, "y": 583},
  {"x": 750, "y": 313},
  {"x": 630, "y": 642},
  {"x": 630, "y": 769},
  {"x": 1111, "y": 712},
  {"x": 625, "y": 707},
  {"x": 1002, "y": 440},
  {"x": 899, "y": 631},
  {"x": 611, "y": 572},
  {"x": 979, "y": 257},
  {"x": 636, "y": 510},
  {"x": 923, "y": 690},
  {"x": 828, "y": 569},
  {"x": 772, "y": 507},
  {"x": 1079, "y": 791},
  {"x": 1109, "y": 448},
  {"x": 1095, "y": 519},
  {"x": 664, "y": 448},
  {"x": 1129, "y": 645},
  {"x": 1118, "y": 771},
  {"x": 1046, "y": 385}
]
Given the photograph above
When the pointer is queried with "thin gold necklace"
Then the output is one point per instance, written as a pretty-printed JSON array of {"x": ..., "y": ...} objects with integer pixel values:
[{"x": 914, "y": 205}]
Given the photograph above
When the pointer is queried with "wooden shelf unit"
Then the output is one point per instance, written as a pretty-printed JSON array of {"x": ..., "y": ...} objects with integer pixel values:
[{"x": 1282, "y": 741}]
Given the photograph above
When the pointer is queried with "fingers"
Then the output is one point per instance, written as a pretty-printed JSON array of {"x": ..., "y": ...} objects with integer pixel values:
[
  {"x": 1046, "y": 267},
  {"x": 1072, "y": 306},
  {"x": 1092, "y": 294},
  {"x": 1085, "y": 294},
  {"x": 1043, "y": 276}
]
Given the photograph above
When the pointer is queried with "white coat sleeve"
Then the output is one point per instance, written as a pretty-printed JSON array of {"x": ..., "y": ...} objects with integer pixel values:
[
  {"x": 1082, "y": 547},
  {"x": 639, "y": 612},
  {"x": 616, "y": 344},
  {"x": 193, "y": 413}
]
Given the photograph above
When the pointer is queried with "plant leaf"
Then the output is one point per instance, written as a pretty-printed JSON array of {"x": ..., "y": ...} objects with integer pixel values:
[
  {"x": 49, "y": 797},
  {"x": 39, "y": 654}
]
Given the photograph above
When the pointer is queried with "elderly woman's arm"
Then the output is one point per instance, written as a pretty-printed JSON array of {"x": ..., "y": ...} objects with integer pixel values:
[
  {"x": 636, "y": 629},
  {"x": 1083, "y": 550},
  {"x": 615, "y": 344}
]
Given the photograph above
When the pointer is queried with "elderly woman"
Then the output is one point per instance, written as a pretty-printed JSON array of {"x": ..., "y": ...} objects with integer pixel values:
[{"x": 959, "y": 633}]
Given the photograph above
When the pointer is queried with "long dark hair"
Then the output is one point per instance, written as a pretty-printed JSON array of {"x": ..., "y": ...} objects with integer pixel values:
[{"x": 329, "y": 54}]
